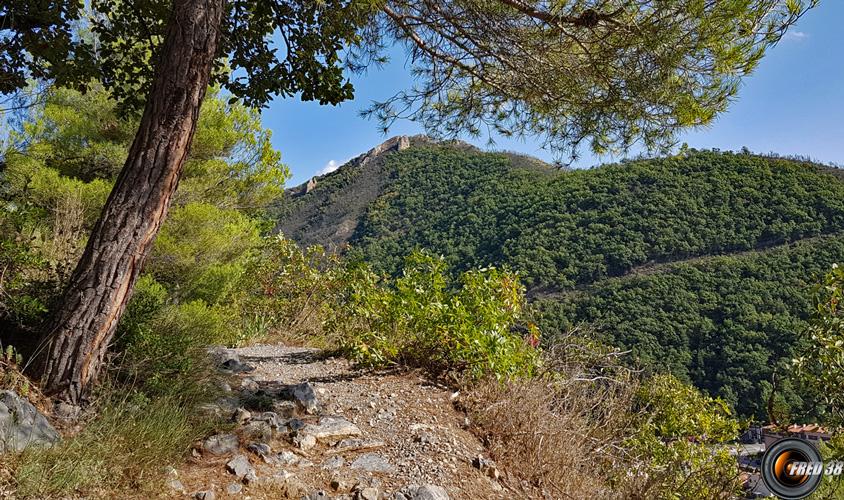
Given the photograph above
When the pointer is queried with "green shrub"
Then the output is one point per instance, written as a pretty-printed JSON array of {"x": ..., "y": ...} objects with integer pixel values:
[
  {"x": 292, "y": 292},
  {"x": 820, "y": 364},
  {"x": 148, "y": 299},
  {"x": 202, "y": 250},
  {"x": 421, "y": 319},
  {"x": 680, "y": 438},
  {"x": 171, "y": 345}
]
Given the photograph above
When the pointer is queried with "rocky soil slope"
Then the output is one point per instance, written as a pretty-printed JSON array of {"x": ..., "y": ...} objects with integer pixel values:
[{"x": 310, "y": 426}]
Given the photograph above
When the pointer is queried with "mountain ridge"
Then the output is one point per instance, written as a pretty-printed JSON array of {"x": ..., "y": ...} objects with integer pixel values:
[{"x": 739, "y": 237}]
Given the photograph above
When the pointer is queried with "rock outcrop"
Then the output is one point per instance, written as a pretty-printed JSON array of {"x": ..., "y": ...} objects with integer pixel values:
[{"x": 22, "y": 425}]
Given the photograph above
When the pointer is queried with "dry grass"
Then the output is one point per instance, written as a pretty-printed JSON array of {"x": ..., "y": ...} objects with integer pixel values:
[
  {"x": 127, "y": 438},
  {"x": 562, "y": 439},
  {"x": 571, "y": 432},
  {"x": 12, "y": 378}
]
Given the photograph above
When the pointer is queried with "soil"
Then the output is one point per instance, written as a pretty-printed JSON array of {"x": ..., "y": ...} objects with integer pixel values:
[{"x": 417, "y": 435}]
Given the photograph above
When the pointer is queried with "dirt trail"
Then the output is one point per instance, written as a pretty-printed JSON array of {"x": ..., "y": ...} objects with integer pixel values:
[{"x": 410, "y": 434}]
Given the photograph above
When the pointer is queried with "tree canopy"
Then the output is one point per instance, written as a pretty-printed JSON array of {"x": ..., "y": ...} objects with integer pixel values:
[
  {"x": 601, "y": 73},
  {"x": 607, "y": 73}
]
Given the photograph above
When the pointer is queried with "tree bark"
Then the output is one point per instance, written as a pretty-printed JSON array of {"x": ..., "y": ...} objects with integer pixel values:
[{"x": 95, "y": 298}]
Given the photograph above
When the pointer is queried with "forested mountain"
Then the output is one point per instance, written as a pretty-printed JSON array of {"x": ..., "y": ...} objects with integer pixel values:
[{"x": 700, "y": 263}]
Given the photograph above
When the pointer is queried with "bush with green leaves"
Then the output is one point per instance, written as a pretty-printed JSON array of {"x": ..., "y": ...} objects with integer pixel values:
[
  {"x": 423, "y": 319},
  {"x": 202, "y": 252},
  {"x": 820, "y": 364},
  {"x": 161, "y": 341},
  {"x": 293, "y": 291},
  {"x": 680, "y": 437}
]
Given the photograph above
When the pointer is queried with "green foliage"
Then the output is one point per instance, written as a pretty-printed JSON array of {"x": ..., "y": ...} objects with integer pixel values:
[
  {"x": 42, "y": 44},
  {"x": 608, "y": 74},
  {"x": 53, "y": 188},
  {"x": 171, "y": 345},
  {"x": 11, "y": 371},
  {"x": 604, "y": 75},
  {"x": 232, "y": 163},
  {"x": 423, "y": 320},
  {"x": 820, "y": 363},
  {"x": 293, "y": 292},
  {"x": 570, "y": 228},
  {"x": 723, "y": 323},
  {"x": 675, "y": 411},
  {"x": 626, "y": 249},
  {"x": 202, "y": 251},
  {"x": 128, "y": 38},
  {"x": 678, "y": 436}
]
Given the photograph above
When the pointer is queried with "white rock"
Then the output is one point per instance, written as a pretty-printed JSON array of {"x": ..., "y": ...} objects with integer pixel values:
[
  {"x": 304, "y": 441},
  {"x": 331, "y": 428},
  {"x": 239, "y": 466},
  {"x": 221, "y": 444},
  {"x": 430, "y": 492}
]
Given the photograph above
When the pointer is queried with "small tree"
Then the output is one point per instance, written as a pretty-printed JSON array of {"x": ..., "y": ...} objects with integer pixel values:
[
  {"x": 820, "y": 366},
  {"x": 610, "y": 72}
]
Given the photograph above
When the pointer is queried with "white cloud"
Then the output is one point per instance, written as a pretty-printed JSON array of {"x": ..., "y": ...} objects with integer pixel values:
[
  {"x": 329, "y": 167},
  {"x": 796, "y": 35}
]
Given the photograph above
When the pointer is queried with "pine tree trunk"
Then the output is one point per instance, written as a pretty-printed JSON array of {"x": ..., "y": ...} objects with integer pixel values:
[{"x": 101, "y": 284}]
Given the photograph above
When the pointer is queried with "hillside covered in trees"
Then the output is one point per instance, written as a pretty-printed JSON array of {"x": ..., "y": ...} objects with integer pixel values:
[{"x": 700, "y": 264}]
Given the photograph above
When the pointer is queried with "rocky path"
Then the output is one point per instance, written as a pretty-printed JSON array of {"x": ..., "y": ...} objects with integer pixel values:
[{"x": 310, "y": 426}]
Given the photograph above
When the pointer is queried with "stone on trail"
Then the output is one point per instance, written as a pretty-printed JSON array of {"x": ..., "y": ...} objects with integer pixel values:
[
  {"x": 287, "y": 457},
  {"x": 249, "y": 385},
  {"x": 227, "y": 360},
  {"x": 241, "y": 416},
  {"x": 331, "y": 429},
  {"x": 261, "y": 449},
  {"x": 239, "y": 466},
  {"x": 430, "y": 492},
  {"x": 286, "y": 409},
  {"x": 176, "y": 485},
  {"x": 372, "y": 462},
  {"x": 251, "y": 477},
  {"x": 258, "y": 431},
  {"x": 22, "y": 425},
  {"x": 304, "y": 395},
  {"x": 234, "y": 488},
  {"x": 272, "y": 419},
  {"x": 295, "y": 425},
  {"x": 221, "y": 444},
  {"x": 205, "y": 495},
  {"x": 223, "y": 407},
  {"x": 334, "y": 462},
  {"x": 368, "y": 494},
  {"x": 304, "y": 441}
]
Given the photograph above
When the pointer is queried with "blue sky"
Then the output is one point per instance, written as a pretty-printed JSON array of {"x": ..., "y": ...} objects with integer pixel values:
[{"x": 792, "y": 104}]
